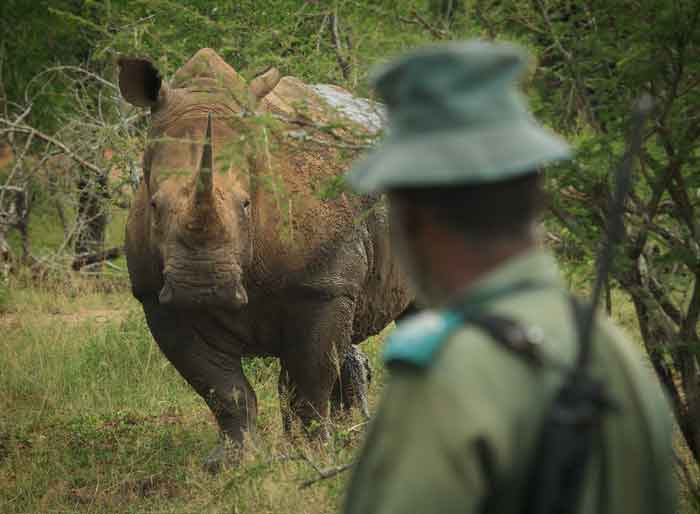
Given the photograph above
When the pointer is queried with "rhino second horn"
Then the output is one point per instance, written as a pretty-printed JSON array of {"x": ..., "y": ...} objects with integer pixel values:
[
  {"x": 205, "y": 174},
  {"x": 263, "y": 84},
  {"x": 166, "y": 294}
]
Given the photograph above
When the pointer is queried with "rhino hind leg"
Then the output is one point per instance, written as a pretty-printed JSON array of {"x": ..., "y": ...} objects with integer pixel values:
[
  {"x": 352, "y": 386},
  {"x": 319, "y": 331},
  {"x": 217, "y": 376}
]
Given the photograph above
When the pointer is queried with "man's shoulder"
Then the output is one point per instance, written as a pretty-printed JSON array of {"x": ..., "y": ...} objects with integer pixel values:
[
  {"x": 421, "y": 340},
  {"x": 418, "y": 339},
  {"x": 451, "y": 362}
]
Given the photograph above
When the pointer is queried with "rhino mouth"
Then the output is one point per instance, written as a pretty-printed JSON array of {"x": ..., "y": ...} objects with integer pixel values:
[{"x": 228, "y": 295}]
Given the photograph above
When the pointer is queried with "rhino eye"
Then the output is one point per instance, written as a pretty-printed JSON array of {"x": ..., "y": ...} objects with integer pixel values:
[
  {"x": 246, "y": 205},
  {"x": 155, "y": 207}
]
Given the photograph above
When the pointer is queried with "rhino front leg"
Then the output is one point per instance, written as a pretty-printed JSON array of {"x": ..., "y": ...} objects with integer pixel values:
[{"x": 197, "y": 349}]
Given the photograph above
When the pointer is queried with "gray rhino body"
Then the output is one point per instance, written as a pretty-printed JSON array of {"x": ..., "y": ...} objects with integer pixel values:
[{"x": 232, "y": 253}]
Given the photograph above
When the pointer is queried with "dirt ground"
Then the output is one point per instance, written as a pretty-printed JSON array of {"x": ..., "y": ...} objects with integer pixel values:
[{"x": 12, "y": 320}]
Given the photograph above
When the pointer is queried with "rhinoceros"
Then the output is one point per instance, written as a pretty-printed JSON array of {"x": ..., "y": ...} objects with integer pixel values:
[{"x": 234, "y": 250}]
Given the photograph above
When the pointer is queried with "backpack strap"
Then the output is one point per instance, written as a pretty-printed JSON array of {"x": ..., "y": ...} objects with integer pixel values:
[{"x": 512, "y": 335}]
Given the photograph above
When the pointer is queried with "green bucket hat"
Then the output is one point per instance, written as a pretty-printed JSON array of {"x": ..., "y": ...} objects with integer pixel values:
[{"x": 455, "y": 117}]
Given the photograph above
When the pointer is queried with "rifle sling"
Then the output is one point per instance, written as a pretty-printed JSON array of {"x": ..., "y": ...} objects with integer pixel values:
[{"x": 564, "y": 472}]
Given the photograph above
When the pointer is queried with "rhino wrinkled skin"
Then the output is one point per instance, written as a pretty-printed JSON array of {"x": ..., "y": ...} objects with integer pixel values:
[{"x": 232, "y": 252}]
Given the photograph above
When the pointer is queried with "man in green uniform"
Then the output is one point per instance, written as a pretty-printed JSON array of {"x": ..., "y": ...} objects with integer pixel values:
[{"x": 462, "y": 413}]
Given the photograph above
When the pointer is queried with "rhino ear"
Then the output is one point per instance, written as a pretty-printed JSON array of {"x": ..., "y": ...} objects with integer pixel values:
[
  {"x": 261, "y": 85},
  {"x": 139, "y": 82}
]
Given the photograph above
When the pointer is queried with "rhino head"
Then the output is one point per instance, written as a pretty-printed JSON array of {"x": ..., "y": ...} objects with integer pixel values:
[{"x": 198, "y": 217}]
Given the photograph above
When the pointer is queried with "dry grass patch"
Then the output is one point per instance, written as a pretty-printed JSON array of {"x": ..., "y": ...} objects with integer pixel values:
[{"x": 95, "y": 419}]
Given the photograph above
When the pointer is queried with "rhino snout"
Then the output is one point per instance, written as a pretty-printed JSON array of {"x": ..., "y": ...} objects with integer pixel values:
[{"x": 219, "y": 293}]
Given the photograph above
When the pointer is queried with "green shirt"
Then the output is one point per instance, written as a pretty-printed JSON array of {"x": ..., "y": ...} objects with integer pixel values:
[{"x": 459, "y": 418}]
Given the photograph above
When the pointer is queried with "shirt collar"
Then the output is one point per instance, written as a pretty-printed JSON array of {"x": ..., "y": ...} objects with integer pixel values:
[{"x": 532, "y": 268}]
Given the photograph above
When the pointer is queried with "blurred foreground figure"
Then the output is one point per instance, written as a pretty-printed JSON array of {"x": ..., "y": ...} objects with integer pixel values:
[{"x": 473, "y": 380}]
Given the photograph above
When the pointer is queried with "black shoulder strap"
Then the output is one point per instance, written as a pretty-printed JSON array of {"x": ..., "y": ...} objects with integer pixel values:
[
  {"x": 512, "y": 335},
  {"x": 520, "y": 339},
  {"x": 516, "y": 337}
]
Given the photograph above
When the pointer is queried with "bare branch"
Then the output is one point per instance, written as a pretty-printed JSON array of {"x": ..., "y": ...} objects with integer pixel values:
[
  {"x": 689, "y": 327},
  {"x": 34, "y": 132},
  {"x": 93, "y": 258},
  {"x": 325, "y": 474},
  {"x": 12, "y": 189},
  {"x": 77, "y": 69},
  {"x": 321, "y": 30},
  {"x": 692, "y": 486},
  {"x": 18, "y": 163},
  {"x": 340, "y": 51}
]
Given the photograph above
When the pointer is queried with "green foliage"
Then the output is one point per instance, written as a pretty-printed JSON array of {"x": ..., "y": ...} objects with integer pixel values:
[
  {"x": 4, "y": 291},
  {"x": 294, "y": 35}
]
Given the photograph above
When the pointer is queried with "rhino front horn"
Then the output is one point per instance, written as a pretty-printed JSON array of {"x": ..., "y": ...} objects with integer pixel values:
[{"x": 205, "y": 178}]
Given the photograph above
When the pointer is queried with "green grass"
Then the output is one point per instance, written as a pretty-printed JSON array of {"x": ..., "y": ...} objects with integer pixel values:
[{"x": 94, "y": 419}]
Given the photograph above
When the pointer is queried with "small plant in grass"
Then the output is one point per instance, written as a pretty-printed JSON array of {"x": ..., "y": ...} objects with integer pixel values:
[{"x": 4, "y": 293}]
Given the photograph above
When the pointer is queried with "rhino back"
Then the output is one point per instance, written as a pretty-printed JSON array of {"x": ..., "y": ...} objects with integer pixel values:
[{"x": 302, "y": 219}]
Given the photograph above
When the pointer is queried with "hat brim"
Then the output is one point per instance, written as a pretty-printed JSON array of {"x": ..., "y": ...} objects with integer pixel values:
[{"x": 468, "y": 157}]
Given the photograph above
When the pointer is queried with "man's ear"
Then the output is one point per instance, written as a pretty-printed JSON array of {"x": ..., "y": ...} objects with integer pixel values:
[
  {"x": 140, "y": 82},
  {"x": 411, "y": 217},
  {"x": 261, "y": 85}
]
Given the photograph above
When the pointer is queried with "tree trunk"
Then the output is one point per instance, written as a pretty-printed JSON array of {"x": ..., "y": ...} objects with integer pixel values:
[
  {"x": 673, "y": 363},
  {"x": 92, "y": 213},
  {"x": 23, "y": 203},
  {"x": 446, "y": 9}
]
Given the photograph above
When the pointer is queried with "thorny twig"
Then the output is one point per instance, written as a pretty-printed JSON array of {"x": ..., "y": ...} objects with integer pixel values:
[
  {"x": 26, "y": 129},
  {"x": 323, "y": 474},
  {"x": 571, "y": 64},
  {"x": 417, "y": 19},
  {"x": 56, "y": 69}
]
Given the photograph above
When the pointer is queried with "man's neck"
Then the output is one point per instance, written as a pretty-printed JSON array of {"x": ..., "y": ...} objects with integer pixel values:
[{"x": 455, "y": 265}]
